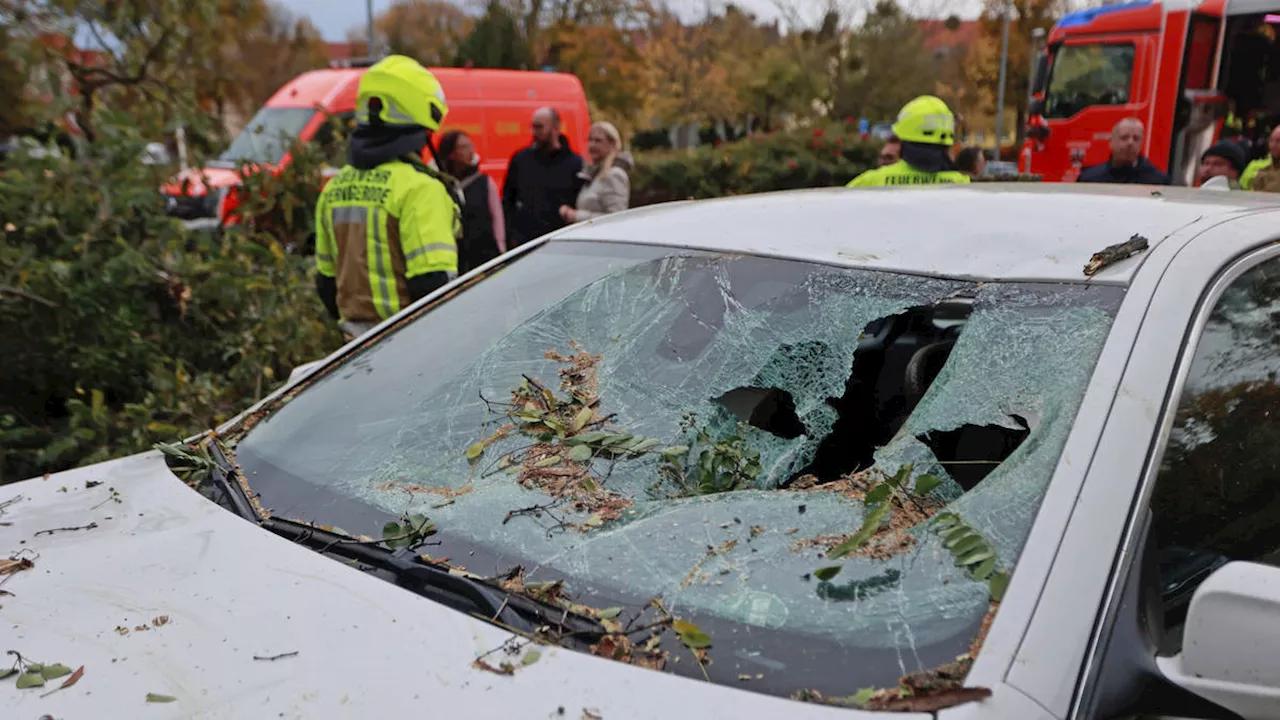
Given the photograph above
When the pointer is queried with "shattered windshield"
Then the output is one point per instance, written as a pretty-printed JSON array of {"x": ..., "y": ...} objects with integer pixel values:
[{"x": 715, "y": 431}]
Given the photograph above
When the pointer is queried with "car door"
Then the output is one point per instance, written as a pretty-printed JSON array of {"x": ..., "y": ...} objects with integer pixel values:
[{"x": 1090, "y": 649}]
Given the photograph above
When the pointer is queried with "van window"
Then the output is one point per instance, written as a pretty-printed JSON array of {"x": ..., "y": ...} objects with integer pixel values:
[
  {"x": 1084, "y": 75},
  {"x": 268, "y": 135},
  {"x": 331, "y": 137}
]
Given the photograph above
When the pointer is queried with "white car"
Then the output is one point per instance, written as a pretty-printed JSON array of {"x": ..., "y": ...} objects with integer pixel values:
[{"x": 761, "y": 457}]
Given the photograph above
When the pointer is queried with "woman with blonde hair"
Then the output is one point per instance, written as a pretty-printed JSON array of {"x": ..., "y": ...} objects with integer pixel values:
[{"x": 607, "y": 189}]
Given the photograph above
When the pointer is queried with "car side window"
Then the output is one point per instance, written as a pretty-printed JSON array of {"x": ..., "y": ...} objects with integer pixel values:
[{"x": 1217, "y": 494}]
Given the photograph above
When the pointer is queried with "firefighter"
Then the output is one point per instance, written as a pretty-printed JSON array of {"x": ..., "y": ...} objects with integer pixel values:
[
  {"x": 927, "y": 129},
  {"x": 1269, "y": 163},
  {"x": 387, "y": 224}
]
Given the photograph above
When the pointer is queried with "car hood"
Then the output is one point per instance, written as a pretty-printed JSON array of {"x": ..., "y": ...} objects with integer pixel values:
[{"x": 153, "y": 589}]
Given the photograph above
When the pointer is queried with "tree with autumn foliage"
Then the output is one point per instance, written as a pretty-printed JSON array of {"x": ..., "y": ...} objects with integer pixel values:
[
  {"x": 885, "y": 66},
  {"x": 496, "y": 41},
  {"x": 605, "y": 58},
  {"x": 983, "y": 61},
  {"x": 685, "y": 65},
  {"x": 149, "y": 58},
  {"x": 257, "y": 54},
  {"x": 13, "y": 80},
  {"x": 429, "y": 31}
]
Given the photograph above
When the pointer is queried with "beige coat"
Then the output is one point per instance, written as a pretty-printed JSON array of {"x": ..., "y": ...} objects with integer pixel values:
[{"x": 605, "y": 194}]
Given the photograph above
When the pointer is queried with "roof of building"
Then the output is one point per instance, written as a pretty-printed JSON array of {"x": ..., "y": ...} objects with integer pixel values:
[{"x": 938, "y": 36}]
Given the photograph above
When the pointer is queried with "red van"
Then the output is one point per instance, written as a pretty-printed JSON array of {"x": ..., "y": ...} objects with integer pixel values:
[{"x": 494, "y": 107}]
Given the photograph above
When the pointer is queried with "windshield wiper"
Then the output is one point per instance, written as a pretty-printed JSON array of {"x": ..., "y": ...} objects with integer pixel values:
[{"x": 459, "y": 592}]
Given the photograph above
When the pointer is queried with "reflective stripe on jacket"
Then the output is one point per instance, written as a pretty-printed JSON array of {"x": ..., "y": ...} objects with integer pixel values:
[
  {"x": 377, "y": 228},
  {"x": 900, "y": 173}
]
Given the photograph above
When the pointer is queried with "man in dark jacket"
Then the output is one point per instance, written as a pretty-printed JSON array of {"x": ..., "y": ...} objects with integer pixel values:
[
  {"x": 540, "y": 178},
  {"x": 1126, "y": 164}
]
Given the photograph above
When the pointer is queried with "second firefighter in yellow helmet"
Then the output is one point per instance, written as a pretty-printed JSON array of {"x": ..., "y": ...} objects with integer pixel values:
[
  {"x": 387, "y": 224},
  {"x": 927, "y": 130}
]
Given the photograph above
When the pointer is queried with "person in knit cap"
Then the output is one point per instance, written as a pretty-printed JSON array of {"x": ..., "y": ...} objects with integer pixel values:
[{"x": 1225, "y": 159}]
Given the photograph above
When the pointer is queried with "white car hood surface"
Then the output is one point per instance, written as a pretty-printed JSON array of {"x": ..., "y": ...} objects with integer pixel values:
[{"x": 232, "y": 591}]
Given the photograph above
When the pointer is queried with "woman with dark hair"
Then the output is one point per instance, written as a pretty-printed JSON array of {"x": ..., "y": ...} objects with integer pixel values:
[{"x": 484, "y": 234}]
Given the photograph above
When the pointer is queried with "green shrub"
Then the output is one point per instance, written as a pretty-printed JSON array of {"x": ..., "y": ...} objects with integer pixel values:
[
  {"x": 821, "y": 157},
  {"x": 120, "y": 328}
]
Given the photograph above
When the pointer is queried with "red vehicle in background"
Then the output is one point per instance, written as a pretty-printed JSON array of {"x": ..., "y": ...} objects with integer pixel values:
[
  {"x": 494, "y": 107},
  {"x": 1182, "y": 67}
]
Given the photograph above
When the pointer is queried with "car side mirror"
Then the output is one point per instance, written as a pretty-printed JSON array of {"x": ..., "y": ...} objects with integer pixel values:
[{"x": 1231, "y": 640}]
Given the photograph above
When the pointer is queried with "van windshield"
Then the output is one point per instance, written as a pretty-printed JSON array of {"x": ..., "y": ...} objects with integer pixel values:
[
  {"x": 1087, "y": 75},
  {"x": 267, "y": 136}
]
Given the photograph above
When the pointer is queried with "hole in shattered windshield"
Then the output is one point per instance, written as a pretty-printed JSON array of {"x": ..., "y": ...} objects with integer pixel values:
[
  {"x": 769, "y": 409},
  {"x": 970, "y": 452},
  {"x": 897, "y": 359}
]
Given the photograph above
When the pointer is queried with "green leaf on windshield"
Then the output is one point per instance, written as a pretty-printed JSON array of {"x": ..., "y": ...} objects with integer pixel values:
[
  {"x": 29, "y": 680},
  {"x": 691, "y": 635},
  {"x": 863, "y": 695},
  {"x": 588, "y": 438},
  {"x": 644, "y": 446},
  {"x": 582, "y": 418},
  {"x": 474, "y": 451},
  {"x": 56, "y": 670},
  {"x": 878, "y": 494},
  {"x": 925, "y": 484},
  {"x": 826, "y": 573},
  {"x": 870, "y": 524},
  {"x": 997, "y": 584},
  {"x": 675, "y": 451},
  {"x": 530, "y": 657},
  {"x": 970, "y": 543},
  {"x": 609, "y": 613},
  {"x": 976, "y": 556},
  {"x": 8, "y": 672},
  {"x": 983, "y": 571},
  {"x": 580, "y": 453},
  {"x": 158, "y": 698},
  {"x": 547, "y": 461},
  {"x": 392, "y": 529},
  {"x": 943, "y": 521}
]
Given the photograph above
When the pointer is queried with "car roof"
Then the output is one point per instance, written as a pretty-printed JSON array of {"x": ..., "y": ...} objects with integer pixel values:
[{"x": 985, "y": 231}]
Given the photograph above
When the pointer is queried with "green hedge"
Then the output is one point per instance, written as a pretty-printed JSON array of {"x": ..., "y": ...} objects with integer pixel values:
[
  {"x": 821, "y": 157},
  {"x": 119, "y": 328}
]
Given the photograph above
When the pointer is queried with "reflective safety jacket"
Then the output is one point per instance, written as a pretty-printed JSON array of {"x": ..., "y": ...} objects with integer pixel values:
[
  {"x": 376, "y": 229},
  {"x": 1252, "y": 169},
  {"x": 900, "y": 173}
]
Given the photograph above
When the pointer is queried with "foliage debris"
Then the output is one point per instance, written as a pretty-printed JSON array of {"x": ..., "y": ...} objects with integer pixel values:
[
  {"x": 1113, "y": 254},
  {"x": 572, "y": 440},
  {"x": 891, "y": 513},
  {"x": 694, "y": 572}
]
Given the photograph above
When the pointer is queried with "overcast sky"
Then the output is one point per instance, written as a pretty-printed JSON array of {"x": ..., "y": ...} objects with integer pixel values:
[{"x": 335, "y": 17}]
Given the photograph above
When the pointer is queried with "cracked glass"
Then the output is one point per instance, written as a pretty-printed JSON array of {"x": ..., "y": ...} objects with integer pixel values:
[{"x": 385, "y": 434}]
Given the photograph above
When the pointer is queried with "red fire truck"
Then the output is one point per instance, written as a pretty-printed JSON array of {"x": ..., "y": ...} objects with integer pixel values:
[{"x": 1183, "y": 67}]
